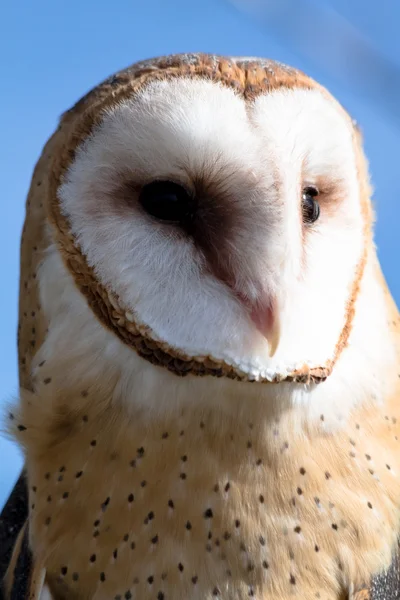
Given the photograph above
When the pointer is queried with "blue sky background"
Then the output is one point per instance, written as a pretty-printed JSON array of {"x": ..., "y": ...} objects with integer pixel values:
[{"x": 53, "y": 52}]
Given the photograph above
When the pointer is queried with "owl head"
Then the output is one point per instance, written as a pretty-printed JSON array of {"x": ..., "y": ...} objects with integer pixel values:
[{"x": 216, "y": 215}]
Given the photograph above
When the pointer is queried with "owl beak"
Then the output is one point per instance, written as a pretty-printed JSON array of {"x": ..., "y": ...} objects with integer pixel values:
[{"x": 266, "y": 319}]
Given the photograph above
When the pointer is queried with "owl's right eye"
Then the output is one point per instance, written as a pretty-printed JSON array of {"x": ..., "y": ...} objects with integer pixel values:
[{"x": 167, "y": 201}]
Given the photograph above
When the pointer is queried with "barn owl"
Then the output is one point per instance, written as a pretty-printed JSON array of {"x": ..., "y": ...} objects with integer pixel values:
[{"x": 209, "y": 355}]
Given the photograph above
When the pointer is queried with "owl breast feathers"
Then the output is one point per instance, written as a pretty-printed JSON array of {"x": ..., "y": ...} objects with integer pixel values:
[{"x": 209, "y": 354}]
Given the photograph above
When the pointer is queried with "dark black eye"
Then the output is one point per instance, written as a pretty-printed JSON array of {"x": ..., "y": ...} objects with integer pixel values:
[
  {"x": 310, "y": 206},
  {"x": 167, "y": 201}
]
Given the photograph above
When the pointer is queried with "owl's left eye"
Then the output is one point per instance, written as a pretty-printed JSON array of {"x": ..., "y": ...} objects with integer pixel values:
[
  {"x": 310, "y": 205},
  {"x": 167, "y": 201}
]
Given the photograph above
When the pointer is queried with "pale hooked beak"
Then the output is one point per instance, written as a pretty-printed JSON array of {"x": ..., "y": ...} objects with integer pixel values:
[{"x": 266, "y": 318}]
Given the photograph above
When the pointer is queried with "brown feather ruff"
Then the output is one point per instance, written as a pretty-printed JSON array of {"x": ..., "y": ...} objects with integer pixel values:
[{"x": 249, "y": 79}]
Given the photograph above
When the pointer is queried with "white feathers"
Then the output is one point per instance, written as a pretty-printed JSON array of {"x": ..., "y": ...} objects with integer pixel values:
[
  {"x": 46, "y": 594},
  {"x": 267, "y": 151}
]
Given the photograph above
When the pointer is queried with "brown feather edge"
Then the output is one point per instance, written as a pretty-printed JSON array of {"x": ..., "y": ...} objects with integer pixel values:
[
  {"x": 250, "y": 81},
  {"x": 23, "y": 580},
  {"x": 362, "y": 595},
  {"x": 8, "y": 581}
]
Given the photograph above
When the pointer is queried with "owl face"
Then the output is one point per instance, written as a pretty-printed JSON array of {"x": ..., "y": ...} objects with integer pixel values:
[{"x": 227, "y": 228}]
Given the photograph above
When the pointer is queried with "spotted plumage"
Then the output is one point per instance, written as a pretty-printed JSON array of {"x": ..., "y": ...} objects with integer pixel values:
[{"x": 177, "y": 443}]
